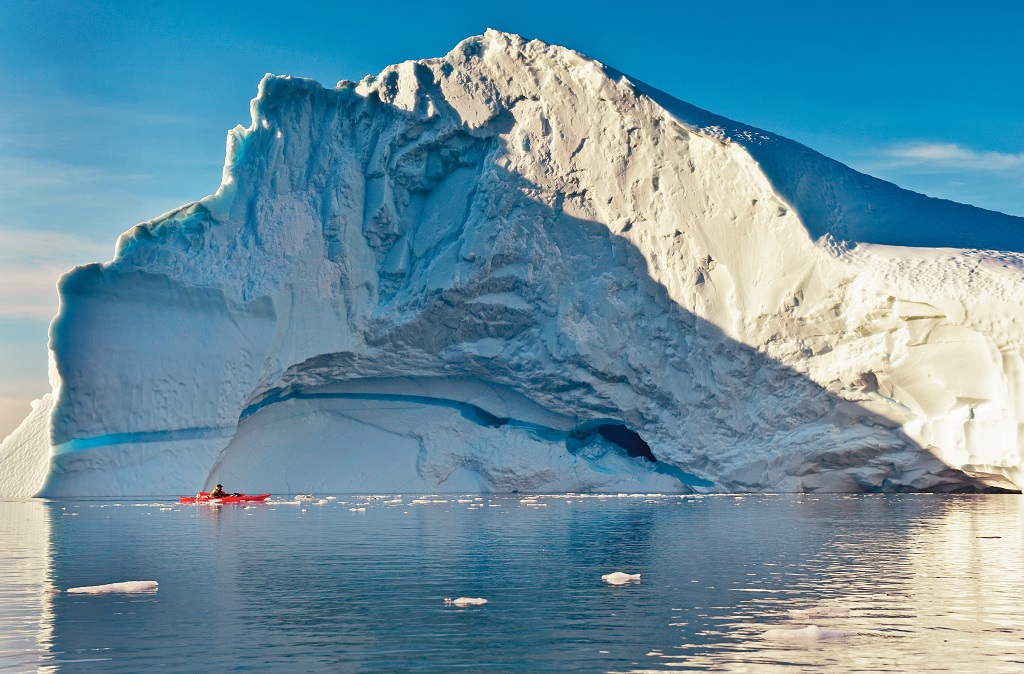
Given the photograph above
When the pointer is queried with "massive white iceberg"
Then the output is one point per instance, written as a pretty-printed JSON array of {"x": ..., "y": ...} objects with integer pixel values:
[{"x": 512, "y": 268}]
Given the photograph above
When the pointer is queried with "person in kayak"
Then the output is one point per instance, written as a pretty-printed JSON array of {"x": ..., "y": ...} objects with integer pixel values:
[{"x": 218, "y": 492}]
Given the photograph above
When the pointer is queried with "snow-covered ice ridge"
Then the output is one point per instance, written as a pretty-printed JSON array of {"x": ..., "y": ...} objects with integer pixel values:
[{"x": 513, "y": 268}]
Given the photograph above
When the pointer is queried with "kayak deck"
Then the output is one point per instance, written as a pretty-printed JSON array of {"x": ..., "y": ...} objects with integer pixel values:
[{"x": 204, "y": 497}]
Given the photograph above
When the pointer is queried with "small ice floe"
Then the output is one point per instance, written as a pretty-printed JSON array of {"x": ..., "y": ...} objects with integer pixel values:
[
  {"x": 322, "y": 501},
  {"x": 127, "y": 587},
  {"x": 820, "y": 612},
  {"x": 305, "y": 497},
  {"x": 809, "y": 633},
  {"x": 620, "y": 578},
  {"x": 465, "y": 601}
]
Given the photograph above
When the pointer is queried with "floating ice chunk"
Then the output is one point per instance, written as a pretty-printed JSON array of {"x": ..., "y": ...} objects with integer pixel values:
[
  {"x": 809, "y": 633},
  {"x": 322, "y": 501},
  {"x": 820, "y": 612},
  {"x": 465, "y": 601},
  {"x": 126, "y": 587},
  {"x": 620, "y": 578}
]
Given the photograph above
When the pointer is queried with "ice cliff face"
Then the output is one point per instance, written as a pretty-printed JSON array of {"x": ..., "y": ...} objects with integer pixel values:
[{"x": 512, "y": 268}]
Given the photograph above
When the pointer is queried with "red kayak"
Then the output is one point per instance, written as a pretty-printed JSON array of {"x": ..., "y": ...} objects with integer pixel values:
[{"x": 204, "y": 497}]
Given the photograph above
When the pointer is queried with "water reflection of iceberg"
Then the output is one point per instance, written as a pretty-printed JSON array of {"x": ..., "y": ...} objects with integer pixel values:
[
  {"x": 26, "y": 586},
  {"x": 930, "y": 582},
  {"x": 314, "y": 586}
]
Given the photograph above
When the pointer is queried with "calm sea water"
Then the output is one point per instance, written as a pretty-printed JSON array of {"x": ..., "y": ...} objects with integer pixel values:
[{"x": 897, "y": 584}]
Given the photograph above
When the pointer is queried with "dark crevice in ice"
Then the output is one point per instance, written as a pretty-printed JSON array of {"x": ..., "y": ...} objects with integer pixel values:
[
  {"x": 628, "y": 439},
  {"x": 618, "y": 434}
]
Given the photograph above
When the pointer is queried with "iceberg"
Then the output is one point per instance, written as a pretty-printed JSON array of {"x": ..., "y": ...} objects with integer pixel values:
[
  {"x": 513, "y": 268},
  {"x": 462, "y": 602},
  {"x": 124, "y": 587}
]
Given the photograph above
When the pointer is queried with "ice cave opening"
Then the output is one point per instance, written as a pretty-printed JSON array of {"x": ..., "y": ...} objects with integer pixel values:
[
  {"x": 628, "y": 439},
  {"x": 618, "y": 434},
  {"x": 418, "y": 434}
]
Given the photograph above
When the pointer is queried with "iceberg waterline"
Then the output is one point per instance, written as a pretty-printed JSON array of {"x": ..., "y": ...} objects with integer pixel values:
[{"x": 514, "y": 233}]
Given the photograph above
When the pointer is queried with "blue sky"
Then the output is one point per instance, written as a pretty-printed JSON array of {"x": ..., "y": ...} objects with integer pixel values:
[{"x": 115, "y": 112}]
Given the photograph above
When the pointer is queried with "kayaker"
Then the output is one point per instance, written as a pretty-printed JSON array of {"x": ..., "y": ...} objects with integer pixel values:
[{"x": 218, "y": 492}]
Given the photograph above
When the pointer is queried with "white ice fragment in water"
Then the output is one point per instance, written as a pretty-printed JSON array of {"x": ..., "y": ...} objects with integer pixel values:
[
  {"x": 127, "y": 587},
  {"x": 465, "y": 601},
  {"x": 322, "y": 501},
  {"x": 820, "y": 612},
  {"x": 620, "y": 578},
  {"x": 809, "y": 633}
]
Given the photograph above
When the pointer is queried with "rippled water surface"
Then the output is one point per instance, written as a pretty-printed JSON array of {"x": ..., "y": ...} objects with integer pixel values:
[{"x": 354, "y": 584}]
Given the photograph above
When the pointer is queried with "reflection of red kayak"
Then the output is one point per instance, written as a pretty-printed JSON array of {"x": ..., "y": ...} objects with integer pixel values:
[{"x": 204, "y": 497}]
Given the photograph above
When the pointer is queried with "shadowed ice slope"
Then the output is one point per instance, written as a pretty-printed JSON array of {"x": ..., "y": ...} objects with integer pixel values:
[
  {"x": 510, "y": 268},
  {"x": 834, "y": 200}
]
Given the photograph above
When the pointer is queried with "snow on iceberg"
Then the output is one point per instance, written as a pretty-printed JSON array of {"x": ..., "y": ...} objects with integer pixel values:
[{"x": 512, "y": 268}]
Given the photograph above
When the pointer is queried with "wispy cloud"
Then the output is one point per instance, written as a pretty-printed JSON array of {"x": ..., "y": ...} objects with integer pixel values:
[
  {"x": 50, "y": 194},
  {"x": 949, "y": 157},
  {"x": 986, "y": 178},
  {"x": 30, "y": 264},
  {"x": 54, "y": 121},
  {"x": 19, "y": 174}
]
